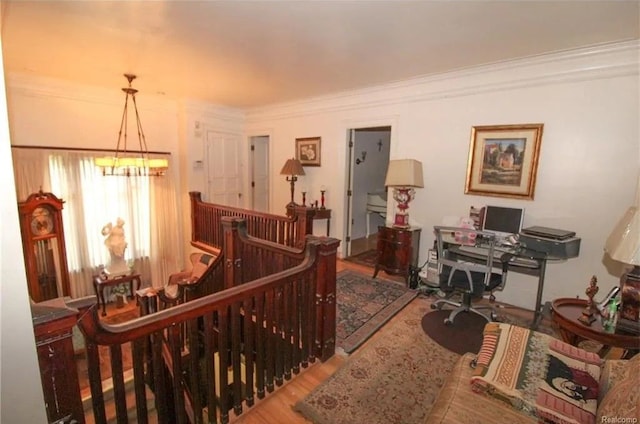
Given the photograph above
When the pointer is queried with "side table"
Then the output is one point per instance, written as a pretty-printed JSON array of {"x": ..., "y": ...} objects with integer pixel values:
[
  {"x": 565, "y": 313},
  {"x": 397, "y": 250},
  {"x": 100, "y": 283}
]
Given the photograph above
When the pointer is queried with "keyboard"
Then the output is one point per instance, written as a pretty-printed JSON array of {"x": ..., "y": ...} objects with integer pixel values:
[
  {"x": 484, "y": 251},
  {"x": 498, "y": 251}
]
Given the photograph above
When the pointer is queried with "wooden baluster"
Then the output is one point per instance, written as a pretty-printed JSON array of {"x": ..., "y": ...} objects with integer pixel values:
[
  {"x": 117, "y": 377},
  {"x": 223, "y": 358},
  {"x": 138, "y": 356},
  {"x": 249, "y": 336},
  {"x": 260, "y": 345},
  {"x": 209, "y": 356}
]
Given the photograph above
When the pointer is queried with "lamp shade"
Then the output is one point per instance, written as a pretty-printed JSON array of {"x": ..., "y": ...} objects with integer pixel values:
[
  {"x": 623, "y": 244},
  {"x": 292, "y": 167},
  {"x": 404, "y": 173}
]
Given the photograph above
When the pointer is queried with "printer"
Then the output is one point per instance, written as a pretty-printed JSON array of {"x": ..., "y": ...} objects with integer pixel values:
[{"x": 556, "y": 243}]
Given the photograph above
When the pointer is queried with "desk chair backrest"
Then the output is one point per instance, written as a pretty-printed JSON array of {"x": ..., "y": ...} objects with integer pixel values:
[{"x": 459, "y": 273}]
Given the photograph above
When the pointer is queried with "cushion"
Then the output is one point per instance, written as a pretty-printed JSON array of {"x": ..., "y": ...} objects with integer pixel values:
[
  {"x": 538, "y": 374},
  {"x": 201, "y": 262}
]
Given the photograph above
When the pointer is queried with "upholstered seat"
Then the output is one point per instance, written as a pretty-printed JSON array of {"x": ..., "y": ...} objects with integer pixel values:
[{"x": 200, "y": 262}]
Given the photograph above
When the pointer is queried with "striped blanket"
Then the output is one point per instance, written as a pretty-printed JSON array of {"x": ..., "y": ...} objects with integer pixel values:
[{"x": 538, "y": 374}]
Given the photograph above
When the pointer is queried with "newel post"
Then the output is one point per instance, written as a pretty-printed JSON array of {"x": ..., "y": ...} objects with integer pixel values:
[
  {"x": 195, "y": 199},
  {"x": 232, "y": 250},
  {"x": 325, "y": 296},
  {"x": 304, "y": 222}
]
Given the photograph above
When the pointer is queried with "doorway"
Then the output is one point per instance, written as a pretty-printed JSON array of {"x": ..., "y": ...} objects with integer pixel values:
[
  {"x": 369, "y": 150},
  {"x": 259, "y": 169}
]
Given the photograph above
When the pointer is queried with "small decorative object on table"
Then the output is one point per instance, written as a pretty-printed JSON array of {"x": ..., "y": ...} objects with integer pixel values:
[
  {"x": 588, "y": 313},
  {"x": 323, "y": 190}
]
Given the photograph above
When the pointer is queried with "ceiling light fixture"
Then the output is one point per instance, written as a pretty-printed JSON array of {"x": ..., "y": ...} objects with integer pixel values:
[{"x": 131, "y": 163}]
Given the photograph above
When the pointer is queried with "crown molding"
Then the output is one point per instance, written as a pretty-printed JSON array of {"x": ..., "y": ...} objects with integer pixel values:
[
  {"x": 46, "y": 88},
  {"x": 589, "y": 63}
]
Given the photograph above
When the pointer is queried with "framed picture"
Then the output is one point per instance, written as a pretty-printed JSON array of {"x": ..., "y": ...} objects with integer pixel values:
[
  {"x": 503, "y": 160},
  {"x": 308, "y": 151}
]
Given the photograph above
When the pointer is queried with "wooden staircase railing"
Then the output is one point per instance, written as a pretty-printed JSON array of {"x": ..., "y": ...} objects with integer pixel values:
[
  {"x": 201, "y": 359},
  {"x": 207, "y": 232}
]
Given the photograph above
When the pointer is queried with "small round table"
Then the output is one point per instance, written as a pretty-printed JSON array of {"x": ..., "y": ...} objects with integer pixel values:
[{"x": 565, "y": 313}]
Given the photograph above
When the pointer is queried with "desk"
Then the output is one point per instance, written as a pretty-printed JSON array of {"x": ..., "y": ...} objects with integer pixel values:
[
  {"x": 99, "y": 284},
  {"x": 521, "y": 260}
]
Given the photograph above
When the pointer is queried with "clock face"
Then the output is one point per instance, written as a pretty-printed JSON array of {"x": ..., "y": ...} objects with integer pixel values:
[{"x": 41, "y": 222}]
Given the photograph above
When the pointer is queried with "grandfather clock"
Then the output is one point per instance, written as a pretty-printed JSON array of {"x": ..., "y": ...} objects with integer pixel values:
[{"x": 43, "y": 245}]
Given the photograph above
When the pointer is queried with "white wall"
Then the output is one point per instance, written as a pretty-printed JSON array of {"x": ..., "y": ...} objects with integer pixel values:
[
  {"x": 21, "y": 396},
  {"x": 589, "y": 162}
]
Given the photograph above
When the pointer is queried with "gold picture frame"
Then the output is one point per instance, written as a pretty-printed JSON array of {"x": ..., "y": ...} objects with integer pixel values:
[
  {"x": 308, "y": 151},
  {"x": 503, "y": 160}
]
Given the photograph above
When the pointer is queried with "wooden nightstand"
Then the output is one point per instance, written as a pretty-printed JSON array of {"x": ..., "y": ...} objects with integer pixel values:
[{"x": 397, "y": 249}]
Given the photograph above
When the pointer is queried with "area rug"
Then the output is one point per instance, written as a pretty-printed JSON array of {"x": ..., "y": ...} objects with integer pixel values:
[
  {"x": 366, "y": 258},
  {"x": 395, "y": 378},
  {"x": 364, "y": 305}
]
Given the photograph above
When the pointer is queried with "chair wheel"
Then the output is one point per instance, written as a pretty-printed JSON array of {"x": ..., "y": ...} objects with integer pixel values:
[
  {"x": 447, "y": 321},
  {"x": 494, "y": 316}
]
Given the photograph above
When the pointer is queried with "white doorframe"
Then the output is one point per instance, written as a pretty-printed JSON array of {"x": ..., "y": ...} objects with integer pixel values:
[{"x": 351, "y": 127}]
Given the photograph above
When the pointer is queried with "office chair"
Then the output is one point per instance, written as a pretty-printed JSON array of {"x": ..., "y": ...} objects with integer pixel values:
[{"x": 458, "y": 275}]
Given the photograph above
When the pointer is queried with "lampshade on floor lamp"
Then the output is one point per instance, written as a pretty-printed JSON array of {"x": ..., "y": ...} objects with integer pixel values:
[
  {"x": 404, "y": 175},
  {"x": 623, "y": 245},
  {"x": 292, "y": 169}
]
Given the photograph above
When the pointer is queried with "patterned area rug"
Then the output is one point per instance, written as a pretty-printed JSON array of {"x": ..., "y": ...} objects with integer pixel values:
[
  {"x": 364, "y": 305},
  {"x": 393, "y": 379}
]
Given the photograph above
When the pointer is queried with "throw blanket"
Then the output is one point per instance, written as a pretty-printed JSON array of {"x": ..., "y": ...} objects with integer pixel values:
[{"x": 538, "y": 374}]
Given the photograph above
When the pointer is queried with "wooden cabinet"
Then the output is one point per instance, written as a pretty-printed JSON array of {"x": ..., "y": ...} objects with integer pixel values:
[
  {"x": 398, "y": 248},
  {"x": 43, "y": 245},
  {"x": 52, "y": 323}
]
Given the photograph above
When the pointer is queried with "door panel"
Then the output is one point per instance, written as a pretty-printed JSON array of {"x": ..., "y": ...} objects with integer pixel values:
[{"x": 224, "y": 177}]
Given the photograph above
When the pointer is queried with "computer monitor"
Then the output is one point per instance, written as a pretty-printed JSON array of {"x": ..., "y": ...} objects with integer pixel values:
[{"x": 502, "y": 221}]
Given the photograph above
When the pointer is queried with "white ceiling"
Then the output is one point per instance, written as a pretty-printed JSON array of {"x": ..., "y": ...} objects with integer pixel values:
[{"x": 252, "y": 53}]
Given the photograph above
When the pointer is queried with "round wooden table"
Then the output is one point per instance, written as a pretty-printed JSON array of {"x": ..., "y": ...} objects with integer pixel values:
[{"x": 565, "y": 313}]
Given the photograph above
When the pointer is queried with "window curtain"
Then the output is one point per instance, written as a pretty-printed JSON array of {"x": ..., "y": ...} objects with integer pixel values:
[{"x": 146, "y": 204}]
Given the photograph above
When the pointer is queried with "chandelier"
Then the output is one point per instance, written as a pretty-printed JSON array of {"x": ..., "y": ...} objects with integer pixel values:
[{"x": 126, "y": 162}]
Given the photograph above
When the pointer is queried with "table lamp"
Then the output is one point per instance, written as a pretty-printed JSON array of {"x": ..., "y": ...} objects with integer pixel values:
[
  {"x": 292, "y": 169},
  {"x": 403, "y": 175},
  {"x": 623, "y": 245}
]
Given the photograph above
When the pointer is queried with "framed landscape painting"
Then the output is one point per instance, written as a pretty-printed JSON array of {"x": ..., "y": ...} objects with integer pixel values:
[
  {"x": 308, "y": 151},
  {"x": 503, "y": 160}
]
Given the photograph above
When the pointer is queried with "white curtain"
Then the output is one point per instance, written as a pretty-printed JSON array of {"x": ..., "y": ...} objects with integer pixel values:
[{"x": 146, "y": 204}]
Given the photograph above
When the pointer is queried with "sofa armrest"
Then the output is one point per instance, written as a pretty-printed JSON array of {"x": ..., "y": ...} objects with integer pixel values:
[
  {"x": 178, "y": 276},
  {"x": 612, "y": 372},
  {"x": 457, "y": 403}
]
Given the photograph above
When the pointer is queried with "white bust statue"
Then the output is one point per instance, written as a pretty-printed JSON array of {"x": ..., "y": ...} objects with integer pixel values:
[{"x": 116, "y": 245}]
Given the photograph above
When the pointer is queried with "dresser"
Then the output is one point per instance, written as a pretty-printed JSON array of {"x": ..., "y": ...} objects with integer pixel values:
[{"x": 398, "y": 249}]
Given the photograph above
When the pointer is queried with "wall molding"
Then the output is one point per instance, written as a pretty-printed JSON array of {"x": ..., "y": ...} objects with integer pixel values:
[{"x": 589, "y": 63}]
